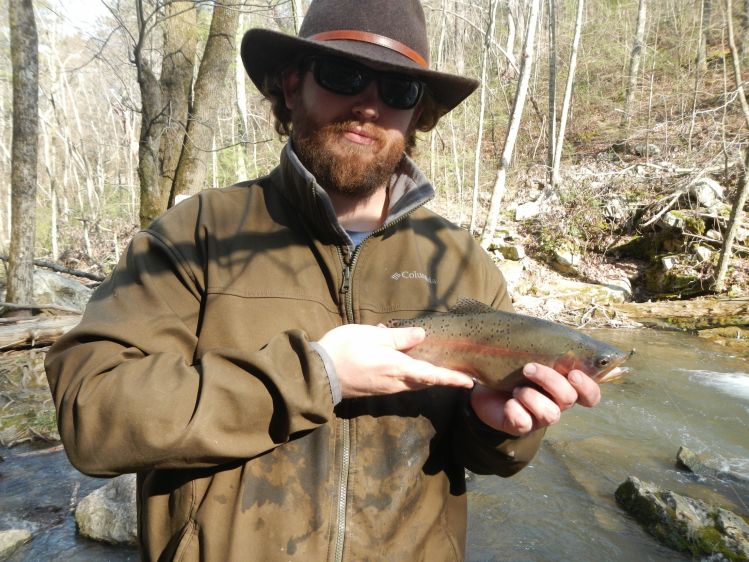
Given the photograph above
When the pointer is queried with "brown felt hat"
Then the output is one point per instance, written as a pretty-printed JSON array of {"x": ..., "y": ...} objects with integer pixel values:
[{"x": 388, "y": 35}]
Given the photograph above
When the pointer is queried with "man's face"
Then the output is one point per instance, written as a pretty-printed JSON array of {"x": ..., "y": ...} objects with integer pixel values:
[{"x": 351, "y": 144}]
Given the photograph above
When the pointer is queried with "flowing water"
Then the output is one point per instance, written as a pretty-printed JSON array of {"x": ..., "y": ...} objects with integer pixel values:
[{"x": 682, "y": 391}]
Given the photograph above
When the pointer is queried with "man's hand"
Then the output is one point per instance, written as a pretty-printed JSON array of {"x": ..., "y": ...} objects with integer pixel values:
[
  {"x": 370, "y": 360},
  {"x": 527, "y": 408}
]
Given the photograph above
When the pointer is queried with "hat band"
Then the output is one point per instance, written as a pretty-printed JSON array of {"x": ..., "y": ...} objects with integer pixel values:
[{"x": 373, "y": 38}]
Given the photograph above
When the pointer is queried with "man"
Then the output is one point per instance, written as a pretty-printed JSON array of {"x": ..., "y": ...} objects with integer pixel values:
[{"x": 236, "y": 359}]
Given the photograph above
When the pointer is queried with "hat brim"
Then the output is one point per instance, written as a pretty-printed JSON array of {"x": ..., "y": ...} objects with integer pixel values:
[{"x": 265, "y": 51}]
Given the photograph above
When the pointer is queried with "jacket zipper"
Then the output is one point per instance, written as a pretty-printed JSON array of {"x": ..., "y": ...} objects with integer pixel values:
[{"x": 349, "y": 262}]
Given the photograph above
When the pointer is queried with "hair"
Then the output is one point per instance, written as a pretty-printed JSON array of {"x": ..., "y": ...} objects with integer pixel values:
[{"x": 431, "y": 110}]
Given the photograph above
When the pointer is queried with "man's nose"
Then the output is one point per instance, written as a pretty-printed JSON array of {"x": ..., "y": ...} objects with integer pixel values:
[{"x": 366, "y": 106}]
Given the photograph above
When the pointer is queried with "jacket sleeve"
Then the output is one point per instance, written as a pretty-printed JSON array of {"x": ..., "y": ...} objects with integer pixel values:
[
  {"x": 481, "y": 448},
  {"x": 130, "y": 394}
]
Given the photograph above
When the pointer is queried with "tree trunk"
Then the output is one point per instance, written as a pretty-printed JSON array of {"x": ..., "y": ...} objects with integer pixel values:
[
  {"x": 210, "y": 89},
  {"x": 511, "y": 32},
  {"x": 526, "y": 66},
  {"x": 25, "y": 64},
  {"x": 738, "y": 205},
  {"x": 482, "y": 107},
  {"x": 744, "y": 47},
  {"x": 706, "y": 11},
  {"x": 555, "y": 178},
  {"x": 552, "y": 132},
  {"x": 296, "y": 6},
  {"x": 634, "y": 64},
  {"x": 180, "y": 43},
  {"x": 35, "y": 332},
  {"x": 151, "y": 126}
]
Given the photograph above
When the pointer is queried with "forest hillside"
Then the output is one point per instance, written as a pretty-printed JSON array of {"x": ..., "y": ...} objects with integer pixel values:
[{"x": 623, "y": 144}]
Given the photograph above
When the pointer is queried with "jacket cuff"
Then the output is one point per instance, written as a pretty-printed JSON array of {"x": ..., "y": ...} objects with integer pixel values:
[
  {"x": 335, "y": 385},
  {"x": 499, "y": 452}
]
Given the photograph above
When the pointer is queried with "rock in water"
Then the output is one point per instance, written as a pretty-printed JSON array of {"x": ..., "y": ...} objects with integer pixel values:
[
  {"x": 685, "y": 524},
  {"x": 10, "y": 540},
  {"x": 703, "y": 465},
  {"x": 109, "y": 513}
]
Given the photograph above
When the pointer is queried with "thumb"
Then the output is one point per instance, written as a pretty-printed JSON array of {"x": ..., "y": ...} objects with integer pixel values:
[{"x": 405, "y": 338}]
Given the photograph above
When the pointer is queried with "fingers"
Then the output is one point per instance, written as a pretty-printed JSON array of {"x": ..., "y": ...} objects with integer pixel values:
[
  {"x": 403, "y": 338},
  {"x": 588, "y": 390},
  {"x": 540, "y": 405},
  {"x": 369, "y": 360},
  {"x": 420, "y": 374}
]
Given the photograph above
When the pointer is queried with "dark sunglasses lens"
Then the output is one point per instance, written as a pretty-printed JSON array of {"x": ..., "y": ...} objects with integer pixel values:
[
  {"x": 340, "y": 77},
  {"x": 400, "y": 92}
]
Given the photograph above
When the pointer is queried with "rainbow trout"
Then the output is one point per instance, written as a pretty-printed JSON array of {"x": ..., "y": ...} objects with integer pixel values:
[{"x": 493, "y": 345}]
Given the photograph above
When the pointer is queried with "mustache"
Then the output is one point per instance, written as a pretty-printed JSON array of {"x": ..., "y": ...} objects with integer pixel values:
[{"x": 367, "y": 129}]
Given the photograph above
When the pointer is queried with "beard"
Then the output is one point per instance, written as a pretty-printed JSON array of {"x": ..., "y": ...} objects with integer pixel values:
[{"x": 346, "y": 168}]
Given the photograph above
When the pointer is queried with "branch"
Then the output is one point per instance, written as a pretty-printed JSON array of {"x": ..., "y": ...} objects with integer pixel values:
[{"x": 61, "y": 269}]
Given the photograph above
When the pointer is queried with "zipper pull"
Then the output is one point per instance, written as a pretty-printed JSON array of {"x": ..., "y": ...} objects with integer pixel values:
[{"x": 346, "y": 280}]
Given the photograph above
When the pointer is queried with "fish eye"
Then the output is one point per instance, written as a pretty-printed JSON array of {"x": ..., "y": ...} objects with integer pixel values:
[{"x": 603, "y": 361}]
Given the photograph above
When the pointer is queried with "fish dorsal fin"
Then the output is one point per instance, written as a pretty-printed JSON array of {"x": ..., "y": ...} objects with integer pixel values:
[{"x": 470, "y": 306}]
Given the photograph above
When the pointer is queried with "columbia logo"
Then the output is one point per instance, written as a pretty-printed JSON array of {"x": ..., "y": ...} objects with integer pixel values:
[{"x": 413, "y": 275}]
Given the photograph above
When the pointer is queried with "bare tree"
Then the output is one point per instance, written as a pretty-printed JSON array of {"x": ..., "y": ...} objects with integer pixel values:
[
  {"x": 173, "y": 154},
  {"x": 210, "y": 90},
  {"x": 25, "y": 64},
  {"x": 551, "y": 132},
  {"x": 526, "y": 67},
  {"x": 634, "y": 64},
  {"x": 180, "y": 44},
  {"x": 706, "y": 9},
  {"x": 153, "y": 121},
  {"x": 738, "y": 205},
  {"x": 555, "y": 178},
  {"x": 744, "y": 46},
  {"x": 482, "y": 107}
]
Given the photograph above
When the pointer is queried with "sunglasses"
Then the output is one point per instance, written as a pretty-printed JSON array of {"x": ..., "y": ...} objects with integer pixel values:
[{"x": 347, "y": 78}]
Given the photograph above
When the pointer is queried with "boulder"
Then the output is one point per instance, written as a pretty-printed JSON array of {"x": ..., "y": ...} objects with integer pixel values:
[
  {"x": 672, "y": 219},
  {"x": 703, "y": 253},
  {"x": 566, "y": 260},
  {"x": 683, "y": 523},
  {"x": 616, "y": 210},
  {"x": 706, "y": 192},
  {"x": 109, "y": 513},
  {"x": 707, "y": 466},
  {"x": 11, "y": 539},
  {"x": 645, "y": 149},
  {"x": 513, "y": 272},
  {"x": 54, "y": 289},
  {"x": 514, "y": 252},
  {"x": 527, "y": 211}
]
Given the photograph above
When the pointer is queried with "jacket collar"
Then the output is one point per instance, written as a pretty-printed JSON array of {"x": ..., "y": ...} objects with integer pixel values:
[{"x": 409, "y": 189}]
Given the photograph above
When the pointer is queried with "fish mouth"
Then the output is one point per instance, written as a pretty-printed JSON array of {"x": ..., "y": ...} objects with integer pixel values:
[
  {"x": 613, "y": 374},
  {"x": 615, "y": 371}
]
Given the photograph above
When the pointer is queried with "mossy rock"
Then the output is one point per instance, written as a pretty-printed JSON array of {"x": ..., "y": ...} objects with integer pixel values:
[
  {"x": 676, "y": 282},
  {"x": 649, "y": 247},
  {"x": 685, "y": 524}
]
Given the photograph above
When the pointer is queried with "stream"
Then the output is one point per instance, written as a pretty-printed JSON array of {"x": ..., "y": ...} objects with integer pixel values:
[{"x": 682, "y": 390}]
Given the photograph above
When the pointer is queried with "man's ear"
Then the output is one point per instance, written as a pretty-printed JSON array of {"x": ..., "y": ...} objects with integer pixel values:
[
  {"x": 418, "y": 110},
  {"x": 291, "y": 82}
]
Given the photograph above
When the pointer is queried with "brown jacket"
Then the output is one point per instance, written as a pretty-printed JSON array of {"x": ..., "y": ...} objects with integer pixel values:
[{"x": 193, "y": 366}]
